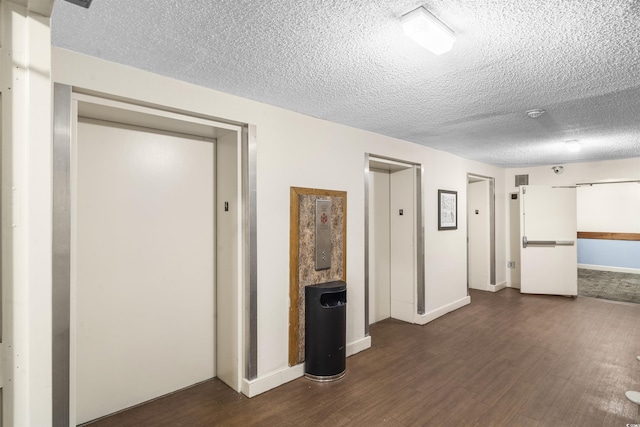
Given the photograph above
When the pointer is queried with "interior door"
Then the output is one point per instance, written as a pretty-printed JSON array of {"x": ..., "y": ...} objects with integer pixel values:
[{"x": 548, "y": 231}]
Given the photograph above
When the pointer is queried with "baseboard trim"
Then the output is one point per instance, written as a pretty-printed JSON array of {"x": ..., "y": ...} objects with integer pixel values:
[
  {"x": 358, "y": 346},
  {"x": 270, "y": 381},
  {"x": 608, "y": 268},
  {"x": 423, "y": 319},
  {"x": 498, "y": 287}
]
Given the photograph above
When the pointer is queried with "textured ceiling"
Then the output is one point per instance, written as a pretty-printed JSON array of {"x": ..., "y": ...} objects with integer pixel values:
[{"x": 348, "y": 61}]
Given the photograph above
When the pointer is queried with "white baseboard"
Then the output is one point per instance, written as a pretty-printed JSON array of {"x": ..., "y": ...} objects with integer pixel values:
[
  {"x": 515, "y": 285},
  {"x": 270, "y": 381},
  {"x": 358, "y": 346},
  {"x": 608, "y": 268},
  {"x": 423, "y": 319},
  {"x": 498, "y": 287}
]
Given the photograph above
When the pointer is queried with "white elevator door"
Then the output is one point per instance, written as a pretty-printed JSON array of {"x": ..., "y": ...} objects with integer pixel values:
[{"x": 144, "y": 265}]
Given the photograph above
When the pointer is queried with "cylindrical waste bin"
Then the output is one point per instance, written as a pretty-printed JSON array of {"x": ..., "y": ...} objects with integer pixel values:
[{"x": 325, "y": 330}]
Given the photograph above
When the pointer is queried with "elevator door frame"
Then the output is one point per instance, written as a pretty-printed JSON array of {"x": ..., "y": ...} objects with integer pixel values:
[
  {"x": 65, "y": 115},
  {"x": 491, "y": 196},
  {"x": 419, "y": 274}
]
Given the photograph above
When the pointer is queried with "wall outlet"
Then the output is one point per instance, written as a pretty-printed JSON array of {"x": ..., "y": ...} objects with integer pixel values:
[{"x": 511, "y": 264}]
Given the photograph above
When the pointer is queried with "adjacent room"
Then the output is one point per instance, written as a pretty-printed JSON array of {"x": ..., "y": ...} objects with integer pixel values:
[{"x": 312, "y": 213}]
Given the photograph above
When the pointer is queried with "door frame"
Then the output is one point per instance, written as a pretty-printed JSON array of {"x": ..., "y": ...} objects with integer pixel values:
[
  {"x": 65, "y": 115},
  {"x": 544, "y": 243},
  {"x": 492, "y": 228},
  {"x": 419, "y": 230}
]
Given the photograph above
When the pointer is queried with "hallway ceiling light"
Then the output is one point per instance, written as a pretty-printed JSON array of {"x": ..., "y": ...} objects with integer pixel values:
[
  {"x": 573, "y": 145},
  {"x": 428, "y": 31}
]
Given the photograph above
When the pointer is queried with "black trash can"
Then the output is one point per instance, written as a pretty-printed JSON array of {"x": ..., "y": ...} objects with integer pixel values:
[{"x": 325, "y": 331}]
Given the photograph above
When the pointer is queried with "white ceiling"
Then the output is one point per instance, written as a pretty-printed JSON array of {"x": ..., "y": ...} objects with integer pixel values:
[{"x": 348, "y": 61}]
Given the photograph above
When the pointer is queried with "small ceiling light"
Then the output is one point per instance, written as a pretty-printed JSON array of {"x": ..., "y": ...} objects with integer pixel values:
[
  {"x": 535, "y": 113},
  {"x": 428, "y": 31},
  {"x": 573, "y": 145}
]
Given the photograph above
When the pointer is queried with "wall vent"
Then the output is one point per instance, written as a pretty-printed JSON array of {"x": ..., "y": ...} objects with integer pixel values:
[{"x": 522, "y": 180}]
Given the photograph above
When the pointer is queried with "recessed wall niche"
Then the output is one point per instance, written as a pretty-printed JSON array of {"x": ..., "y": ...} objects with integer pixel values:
[{"x": 302, "y": 267}]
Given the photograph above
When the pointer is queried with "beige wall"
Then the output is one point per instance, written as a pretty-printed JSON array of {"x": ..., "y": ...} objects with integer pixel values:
[
  {"x": 609, "y": 207},
  {"x": 298, "y": 150}
]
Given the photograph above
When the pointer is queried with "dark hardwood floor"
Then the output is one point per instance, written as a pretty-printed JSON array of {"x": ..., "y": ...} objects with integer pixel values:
[{"x": 505, "y": 359}]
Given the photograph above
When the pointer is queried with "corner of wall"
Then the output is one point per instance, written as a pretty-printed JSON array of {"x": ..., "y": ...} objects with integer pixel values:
[
  {"x": 423, "y": 319},
  {"x": 498, "y": 287}
]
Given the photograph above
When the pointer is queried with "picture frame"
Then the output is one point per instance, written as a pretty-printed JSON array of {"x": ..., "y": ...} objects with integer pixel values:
[{"x": 447, "y": 210}]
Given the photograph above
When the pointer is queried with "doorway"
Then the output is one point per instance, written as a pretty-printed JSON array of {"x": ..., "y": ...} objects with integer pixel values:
[
  {"x": 481, "y": 271},
  {"x": 394, "y": 261},
  {"x": 156, "y": 255},
  {"x": 609, "y": 240}
]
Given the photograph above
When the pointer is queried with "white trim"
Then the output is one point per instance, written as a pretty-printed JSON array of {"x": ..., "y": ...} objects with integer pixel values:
[
  {"x": 608, "y": 268},
  {"x": 275, "y": 379},
  {"x": 270, "y": 381},
  {"x": 514, "y": 285},
  {"x": 2, "y": 363},
  {"x": 358, "y": 346},
  {"x": 153, "y": 111},
  {"x": 423, "y": 319},
  {"x": 498, "y": 287}
]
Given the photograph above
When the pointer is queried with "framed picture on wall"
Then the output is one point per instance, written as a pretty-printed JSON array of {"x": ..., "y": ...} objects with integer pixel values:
[{"x": 447, "y": 210}]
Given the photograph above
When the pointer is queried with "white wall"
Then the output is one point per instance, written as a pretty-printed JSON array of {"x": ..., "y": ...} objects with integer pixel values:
[
  {"x": 402, "y": 243},
  {"x": 513, "y": 237},
  {"x": 297, "y": 150},
  {"x": 609, "y": 208},
  {"x": 228, "y": 284},
  {"x": 25, "y": 83},
  {"x": 479, "y": 235},
  {"x": 379, "y": 256},
  {"x": 576, "y": 173}
]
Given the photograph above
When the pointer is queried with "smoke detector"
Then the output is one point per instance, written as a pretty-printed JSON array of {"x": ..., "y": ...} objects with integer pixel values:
[
  {"x": 535, "y": 113},
  {"x": 557, "y": 169}
]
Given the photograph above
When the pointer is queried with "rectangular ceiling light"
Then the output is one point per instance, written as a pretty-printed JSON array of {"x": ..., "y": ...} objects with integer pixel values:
[
  {"x": 428, "y": 31},
  {"x": 573, "y": 145}
]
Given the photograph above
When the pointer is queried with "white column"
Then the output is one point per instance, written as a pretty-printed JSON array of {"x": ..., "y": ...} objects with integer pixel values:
[{"x": 25, "y": 61}]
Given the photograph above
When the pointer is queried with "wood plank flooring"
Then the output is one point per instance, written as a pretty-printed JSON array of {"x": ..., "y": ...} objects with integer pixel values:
[{"x": 504, "y": 360}]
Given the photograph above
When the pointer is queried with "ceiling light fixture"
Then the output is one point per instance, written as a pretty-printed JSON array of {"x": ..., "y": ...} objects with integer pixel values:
[
  {"x": 573, "y": 145},
  {"x": 535, "y": 113},
  {"x": 428, "y": 31}
]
